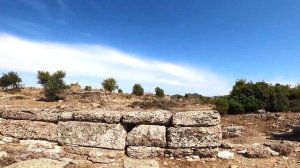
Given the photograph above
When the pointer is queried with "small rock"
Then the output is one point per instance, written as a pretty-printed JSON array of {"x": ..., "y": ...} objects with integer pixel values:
[
  {"x": 96, "y": 105},
  {"x": 8, "y": 139},
  {"x": 233, "y": 166},
  {"x": 274, "y": 153},
  {"x": 225, "y": 155},
  {"x": 3, "y": 154},
  {"x": 232, "y": 131},
  {"x": 195, "y": 157},
  {"x": 65, "y": 116},
  {"x": 241, "y": 151}
]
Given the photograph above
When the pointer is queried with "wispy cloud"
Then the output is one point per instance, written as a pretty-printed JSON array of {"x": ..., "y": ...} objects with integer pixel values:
[{"x": 98, "y": 61}]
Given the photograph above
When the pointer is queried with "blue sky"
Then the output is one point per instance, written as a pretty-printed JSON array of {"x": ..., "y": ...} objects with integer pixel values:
[{"x": 154, "y": 42}]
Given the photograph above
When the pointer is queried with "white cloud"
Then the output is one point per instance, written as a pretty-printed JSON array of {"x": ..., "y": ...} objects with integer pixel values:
[{"x": 96, "y": 61}]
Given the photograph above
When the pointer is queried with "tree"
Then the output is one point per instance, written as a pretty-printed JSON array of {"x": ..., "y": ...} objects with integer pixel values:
[
  {"x": 222, "y": 105},
  {"x": 110, "y": 84},
  {"x": 138, "y": 90},
  {"x": 159, "y": 92},
  {"x": 88, "y": 88},
  {"x": 11, "y": 79},
  {"x": 53, "y": 84},
  {"x": 4, "y": 81}
]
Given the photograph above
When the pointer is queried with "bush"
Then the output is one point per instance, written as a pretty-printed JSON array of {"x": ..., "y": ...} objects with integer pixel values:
[
  {"x": 110, "y": 84},
  {"x": 120, "y": 91},
  {"x": 138, "y": 90},
  {"x": 53, "y": 84},
  {"x": 235, "y": 107},
  {"x": 11, "y": 79},
  {"x": 159, "y": 92},
  {"x": 222, "y": 105},
  {"x": 88, "y": 88}
]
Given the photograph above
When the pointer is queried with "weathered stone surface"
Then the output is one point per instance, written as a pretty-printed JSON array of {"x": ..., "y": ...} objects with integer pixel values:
[
  {"x": 232, "y": 131},
  {"x": 144, "y": 152},
  {"x": 186, "y": 137},
  {"x": 105, "y": 156},
  {"x": 196, "y": 118},
  {"x": 296, "y": 129},
  {"x": 25, "y": 129},
  {"x": 201, "y": 152},
  {"x": 39, "y": 163},
  {"x": 147, "y": 135},
  {"x": 66, "y": 116},
  {"x": 138, "y": 163},
  {"x": 30, "y": 114},
  {"x": 99, "y": 116},
  {"x": 110, "y": 136},
  {"x": 154, "y": 117}
]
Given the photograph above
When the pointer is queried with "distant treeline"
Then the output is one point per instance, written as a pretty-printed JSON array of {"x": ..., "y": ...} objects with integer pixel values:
[{"x": 248, "y": 97}]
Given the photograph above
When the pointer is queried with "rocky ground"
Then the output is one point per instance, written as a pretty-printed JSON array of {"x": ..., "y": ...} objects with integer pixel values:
[{"x": 249, "y": 140}]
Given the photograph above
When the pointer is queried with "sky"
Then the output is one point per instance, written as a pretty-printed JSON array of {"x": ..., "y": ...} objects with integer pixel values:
[{"x": 200, "y": 46}]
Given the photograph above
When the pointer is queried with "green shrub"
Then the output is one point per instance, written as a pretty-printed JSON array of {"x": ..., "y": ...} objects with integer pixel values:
[
  {"x": 222, "y": 105},
  {"x": 120, "y": 91},
  {"x": 11, "y": 79},
  {"x": 110, "y": 84},
  {"x": 88, "y": 88},
  {"x": 159, "y": 92},
  {"x": 53, "y": 84},
  {"x": 138, "y": 90},
  {"x": 235, "y": 107}
]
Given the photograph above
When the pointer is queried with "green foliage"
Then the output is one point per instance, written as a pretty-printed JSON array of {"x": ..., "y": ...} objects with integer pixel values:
[
  {"x": 235, "y": 107},
  {"x": 110, "y": 84},
  {"x": 159, "y": 92},
  {"x": 222, "y": 105},
  {"x": 88, "y": 88},
  {"x": 120, "y": 91},
  {"x": 249, "y": 97},
  {"x": 53, "y": 84},
  {"x": 11, "y": 79},
  {"x": 138, "y": 90}
]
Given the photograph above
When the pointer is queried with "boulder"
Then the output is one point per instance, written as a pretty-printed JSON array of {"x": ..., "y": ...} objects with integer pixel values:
[
  {"x": 225, "y": 155},
  {"x": 153, "y": 117},
  {"x": 147, "y": 135},
  {"x": 30, "y": 114},
  {"x": 25, "y": 129},
  {"x": 232, "y": 131},
  {"x": 110, "y": 136},
  {"x": 196, "y": 118},
  {"x": 98, "y": 115},
  {"x": 138, "y": 163},
  {"x": 144, "y": 152},
  {"x": 199, "y": 137},
  {"x": 40, "y": 163}
]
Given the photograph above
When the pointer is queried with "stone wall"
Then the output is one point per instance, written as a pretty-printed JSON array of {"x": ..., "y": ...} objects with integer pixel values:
[{"x": 138, "y": 134}]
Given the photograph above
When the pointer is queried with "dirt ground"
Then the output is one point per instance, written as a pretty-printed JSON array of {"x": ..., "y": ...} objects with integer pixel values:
[{"x": 258, "y": 128}]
